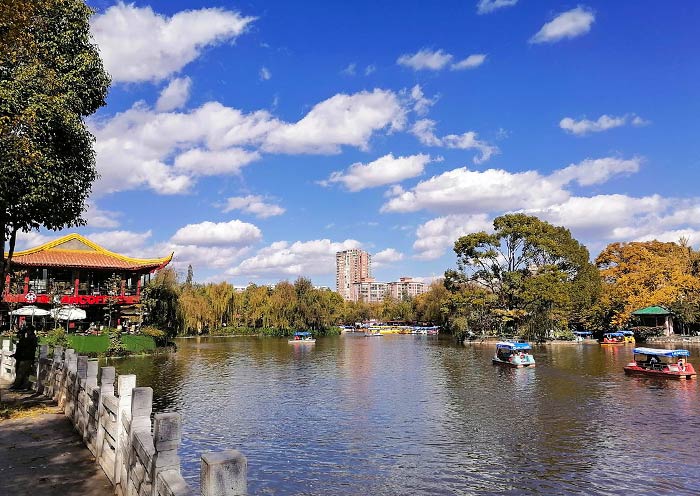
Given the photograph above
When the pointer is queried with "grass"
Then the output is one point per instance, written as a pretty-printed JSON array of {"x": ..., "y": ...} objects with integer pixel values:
[
  {"x": 100, "y": 344},
  {"x": 16, "y": 411}
]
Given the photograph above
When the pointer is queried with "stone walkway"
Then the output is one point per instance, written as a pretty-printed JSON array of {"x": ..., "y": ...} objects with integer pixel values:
[{"x": 43, "y": 455}]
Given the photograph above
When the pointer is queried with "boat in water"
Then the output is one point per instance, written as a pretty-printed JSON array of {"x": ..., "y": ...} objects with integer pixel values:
[
  {"x": 302, "y": 338},
  {"x": 373, "y": 334},
  {"x": 628, "y": 336},
  {"x": 613, "y": 338},
  {"x": 513, "y": 354},
  {"x": 583, "y": 336},
  {"x": 671, "y": 364}
]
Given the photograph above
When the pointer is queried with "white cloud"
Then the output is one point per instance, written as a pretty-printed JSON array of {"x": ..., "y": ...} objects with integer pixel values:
[
  {"x": 137, "y": 44},
  {"x": 370, "y": 69},
  {"x": 254, "y": 205},
  {"x": 123, "y": 242},
  {"x": 603, "y": 123},
  {"x": 470, "y": 62},
  {"x": 570, "y": 24},
  {"x": 166, "y": 151},
  {"x": 424, "y": 130},
  {"x": 198, "y": 162},
  {"x": 596, "y": 171},
  {"x": 436, "y": 236},
  {"x": 425, "y": 59},
  {"x": 488, "y": 6},
  {"x": 385, "y": 170},
  {"x": 175, "y": 95},
  {"x": 350, "y": 69},
  {"x": 496, "y": 190},
  {"x": 265, "y": 74},
  {"x": 691, "y": 235},
  {"x": 386, "y": 257},
  {"x": 232, "y": 233},
  {"x": 468, "y": 141},
  {"x": 302, "y": 258},
  {"x": 466, "y": 191},
  {"x": 421, "y": 104},
  {"x": 96, "y": 217},
  {"x": 340, "y": 120}
]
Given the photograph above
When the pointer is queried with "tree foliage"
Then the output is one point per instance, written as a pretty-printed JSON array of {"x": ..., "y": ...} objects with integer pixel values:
[
  {"x": 525, "y": 268},
  {"x": 51, "y": 78},
  {"x": 641, "y": 274}
]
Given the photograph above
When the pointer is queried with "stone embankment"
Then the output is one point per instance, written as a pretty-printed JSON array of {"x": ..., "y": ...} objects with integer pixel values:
[{"x": 113, "y": 418}]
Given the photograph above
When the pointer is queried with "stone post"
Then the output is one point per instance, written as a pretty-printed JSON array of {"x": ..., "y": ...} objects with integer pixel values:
[
  {"x": 141, "y": 406},
  {"x": 125, "y": 389},
  {"x": 56, "y": 372},
  {"x": 106, "y": 389},
  {"x": 79, "y": 411},
  {"x": 165, "y": 472},
  {"x": 41, "y": 368},
  {"x": 92, "y": 398},
  {"x": 224, "y": 474}
]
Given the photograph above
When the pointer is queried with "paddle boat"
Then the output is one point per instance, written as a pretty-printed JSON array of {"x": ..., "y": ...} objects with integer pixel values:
[
  {"x": 613, "y": 338},
  {"x": 582, "y": 335},
  {"x": 373, "y": 334},
  {"x": 302, "y": 338},
  {"x": 513, "y": 354},
  {"x": 629, "y": 336},
  {"x": 661, "y": 363}
]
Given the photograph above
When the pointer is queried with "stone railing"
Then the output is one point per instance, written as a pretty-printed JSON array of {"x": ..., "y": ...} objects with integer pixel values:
[
  {"x": 140, "y": 459},
  {"x": 7, "y": 362}
]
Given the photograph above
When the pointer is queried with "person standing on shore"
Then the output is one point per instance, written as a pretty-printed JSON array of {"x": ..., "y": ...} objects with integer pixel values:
[{"x": 24, "y": 356}]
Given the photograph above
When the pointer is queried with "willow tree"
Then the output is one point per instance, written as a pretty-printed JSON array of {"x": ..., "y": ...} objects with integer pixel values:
[
  {"x": 51, "y": 78},
  {"x": 531, "y": 267}
]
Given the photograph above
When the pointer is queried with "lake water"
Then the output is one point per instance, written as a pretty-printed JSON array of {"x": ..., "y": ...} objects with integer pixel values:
[{"x": 424, "y": 415}]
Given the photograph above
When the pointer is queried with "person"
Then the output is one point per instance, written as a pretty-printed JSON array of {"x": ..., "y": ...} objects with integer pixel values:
[{"x": 24, "y": 356}]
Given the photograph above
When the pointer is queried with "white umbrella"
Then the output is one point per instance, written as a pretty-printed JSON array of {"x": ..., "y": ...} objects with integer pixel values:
[
  {"x": 30, "y": 311},
  {"x": 68, "y": 313}
]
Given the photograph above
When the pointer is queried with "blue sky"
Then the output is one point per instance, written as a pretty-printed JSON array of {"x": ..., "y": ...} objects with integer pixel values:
[{"x": 254, "y": 139}]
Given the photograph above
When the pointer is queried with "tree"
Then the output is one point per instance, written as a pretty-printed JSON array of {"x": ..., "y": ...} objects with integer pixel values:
[
  {"x": 51, "y": 77},
  {"x": 641, "y": 274},
  {"x": 530, "y": 266},
  {"x": 160, "y": 297}
]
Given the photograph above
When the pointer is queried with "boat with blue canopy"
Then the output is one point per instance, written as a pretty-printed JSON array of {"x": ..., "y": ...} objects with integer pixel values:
[
  {"x": 672, "y": 364},
  {"x": 629, "y": 336},
  {"x": 513, "y": 354},
  {"x": 302, "y": 337}
]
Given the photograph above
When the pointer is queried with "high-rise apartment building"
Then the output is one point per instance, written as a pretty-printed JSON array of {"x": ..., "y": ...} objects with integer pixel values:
[{"x": 351, "y": 266}]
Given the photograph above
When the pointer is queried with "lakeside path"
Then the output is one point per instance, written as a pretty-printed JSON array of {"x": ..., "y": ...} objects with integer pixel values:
[{"x": 41, "y": 454}]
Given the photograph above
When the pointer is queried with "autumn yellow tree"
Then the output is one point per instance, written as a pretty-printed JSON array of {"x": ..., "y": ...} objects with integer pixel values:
[{"x": 639, "y": 274}]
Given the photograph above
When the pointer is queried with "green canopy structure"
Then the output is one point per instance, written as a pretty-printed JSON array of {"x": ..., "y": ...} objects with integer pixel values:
[
  {"x": 656, "y": 316},
  {"x": 654, "y": 310}
]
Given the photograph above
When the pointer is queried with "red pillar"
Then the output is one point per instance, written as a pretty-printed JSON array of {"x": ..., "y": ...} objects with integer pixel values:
[
  {"x": 7, "y": 284},
  {"x": 26, "y": 284},
  {"x": 138, "y": 288},
  {"x": 75, "y": 288},
  {"x": 123, "y": 287}
]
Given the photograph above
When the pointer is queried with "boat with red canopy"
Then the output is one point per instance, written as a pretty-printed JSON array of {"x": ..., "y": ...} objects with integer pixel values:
[{"x": 672, "y": 364}]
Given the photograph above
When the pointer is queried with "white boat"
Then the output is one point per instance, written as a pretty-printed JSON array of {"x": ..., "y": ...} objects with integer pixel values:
[{"x": 302, "y": 338}]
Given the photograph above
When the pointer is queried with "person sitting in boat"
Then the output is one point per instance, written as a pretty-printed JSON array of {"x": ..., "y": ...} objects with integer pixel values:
[
  {"x": 653, "y": 361},
  {"x": 681, "y": 365}
]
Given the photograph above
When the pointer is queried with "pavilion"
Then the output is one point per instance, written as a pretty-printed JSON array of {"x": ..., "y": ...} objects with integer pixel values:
[
  {"x": 656, "y": 316},
  {"x": 73, "y": 270}
]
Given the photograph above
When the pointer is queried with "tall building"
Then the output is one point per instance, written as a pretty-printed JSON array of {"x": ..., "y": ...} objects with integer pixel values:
[{"x": 351, "y": 266}]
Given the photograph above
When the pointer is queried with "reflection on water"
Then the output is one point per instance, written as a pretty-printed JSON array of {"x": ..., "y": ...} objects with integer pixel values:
[{"x": 421, "y": 415}]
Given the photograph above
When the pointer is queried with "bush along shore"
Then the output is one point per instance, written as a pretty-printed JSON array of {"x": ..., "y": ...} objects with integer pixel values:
[{"x": 110, "y": 342}]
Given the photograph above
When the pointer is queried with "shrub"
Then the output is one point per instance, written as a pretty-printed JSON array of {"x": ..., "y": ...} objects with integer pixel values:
[
  {"x": 116, "y": 348},
  {"x": 56, "y": 337},
  {"x": 158, "y": 335}
]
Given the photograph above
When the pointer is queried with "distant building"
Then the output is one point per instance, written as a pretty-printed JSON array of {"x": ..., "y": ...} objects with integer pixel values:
[
  {"x": 351, "y": 266},
  {"x": 406, "y": 288},
  {"x": 371, "y": 291}
]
